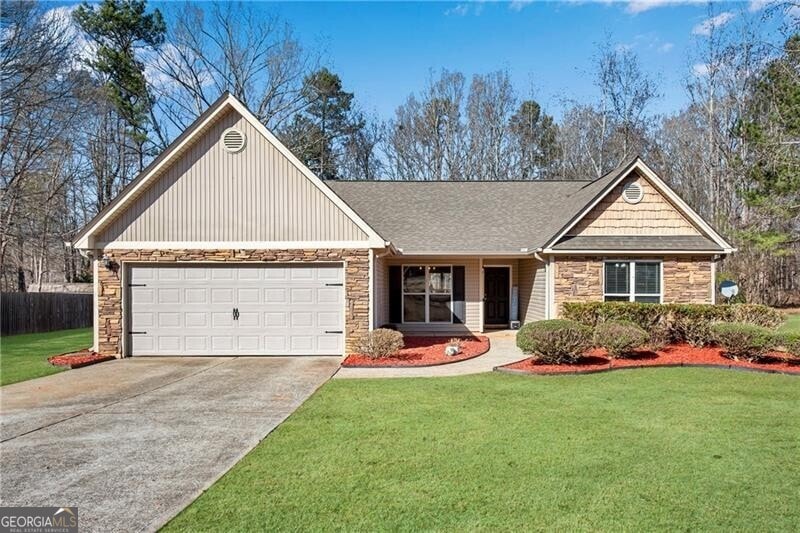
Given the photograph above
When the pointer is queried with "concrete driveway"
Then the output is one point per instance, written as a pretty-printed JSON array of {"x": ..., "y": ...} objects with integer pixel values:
[{"x": 132, "y": 442}]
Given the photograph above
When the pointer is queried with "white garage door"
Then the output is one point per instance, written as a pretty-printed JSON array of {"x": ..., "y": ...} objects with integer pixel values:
[{"x": 236, "y": 310}]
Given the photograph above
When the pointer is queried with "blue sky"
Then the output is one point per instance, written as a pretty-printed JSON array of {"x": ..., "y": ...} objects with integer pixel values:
[{"x": 384, "y": 51}]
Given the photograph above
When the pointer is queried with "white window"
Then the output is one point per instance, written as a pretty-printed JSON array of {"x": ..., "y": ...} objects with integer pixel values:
[
  {"x": 427, "y": 294},
  {"x": 632, "y": 281}
]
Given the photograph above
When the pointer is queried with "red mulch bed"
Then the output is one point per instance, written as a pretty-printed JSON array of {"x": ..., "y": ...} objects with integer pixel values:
[
  {"x": 422, "y": 351},
  {"x": 79, "y": 359},
  {"x": 674, "y": 355}
]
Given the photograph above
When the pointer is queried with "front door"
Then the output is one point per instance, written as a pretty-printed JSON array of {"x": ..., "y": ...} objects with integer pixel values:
[{"x": 495, "y": 296}]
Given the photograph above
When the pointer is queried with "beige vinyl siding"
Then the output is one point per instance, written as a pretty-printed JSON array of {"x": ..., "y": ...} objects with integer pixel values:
[
  {"x": 472, "y": 294},
  {"x": 380, "y": 294},
  {"x": 211, "y": 195},
  {"x": 653, "y": 215},
  {"x": 532, "y": 290}
]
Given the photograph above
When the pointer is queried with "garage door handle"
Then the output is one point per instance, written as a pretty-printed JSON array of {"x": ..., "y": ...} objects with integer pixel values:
[
  {"x": 334, "y": 284},
  {"x": 334, "y": 331},
  {"x": 235, "y": 313}
]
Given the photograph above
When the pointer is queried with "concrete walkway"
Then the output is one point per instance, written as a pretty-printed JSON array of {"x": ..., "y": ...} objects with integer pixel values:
[
  {"x": 503, "y": 350},
  {"x": 131, "y": 442}
]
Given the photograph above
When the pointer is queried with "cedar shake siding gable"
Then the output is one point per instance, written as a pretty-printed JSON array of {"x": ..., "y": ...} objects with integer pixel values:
[
  {"x": 211, "y": 195},
  {"x": 652, "y": 215}
]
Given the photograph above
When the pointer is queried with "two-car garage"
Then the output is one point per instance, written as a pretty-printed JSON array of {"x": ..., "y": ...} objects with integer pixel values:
[{"x": 235, "y": 309}]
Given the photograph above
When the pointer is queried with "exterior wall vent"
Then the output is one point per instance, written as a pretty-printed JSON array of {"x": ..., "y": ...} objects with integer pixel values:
[
  {"x": 233, "y": 140},
  {"x": 632, "y": 193}
]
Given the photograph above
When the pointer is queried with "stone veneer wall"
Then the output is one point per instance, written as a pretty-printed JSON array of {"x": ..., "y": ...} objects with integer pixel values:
[
  {"x": 109, "y": 298},
  {"x": 687, "y": 279}
]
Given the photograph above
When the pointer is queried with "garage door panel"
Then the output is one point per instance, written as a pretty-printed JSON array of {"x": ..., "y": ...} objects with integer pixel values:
[
  {"x": 195, "y": 296},
  {"x": 249, "y": 319},
  {"x": 222, "y": 320},
  {"x": 329, "y": 320},
  {"x": 196, "y": 320},
  {"x": 169, "y": 320},
  {"x": 330, "y": 343},
  {"x": 329, "y": 295},
  {"x": 142, "y": 320},
  {"x": 304, "y": 295},
  {"x": 169, "y": 295},
  {"x": 282, "y": 310},
  {"x": 222, "y": 273},
  {"x": 196, "y": 343},
  {"x": 222, "y": 296}
]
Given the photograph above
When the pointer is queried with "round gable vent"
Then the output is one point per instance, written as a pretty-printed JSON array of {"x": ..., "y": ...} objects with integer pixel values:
[
  {"x": 233, "y": 140},
  {"x": 632, "y": 193}
]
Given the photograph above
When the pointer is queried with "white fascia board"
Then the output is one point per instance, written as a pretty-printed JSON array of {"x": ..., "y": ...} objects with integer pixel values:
[
  {"x": 550, "y": 251},
  {"x": 413, "y": 253},
  {"x": 237, "y": 245}
]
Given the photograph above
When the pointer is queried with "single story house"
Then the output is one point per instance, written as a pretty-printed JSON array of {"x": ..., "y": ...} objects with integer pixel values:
[{"x": 227, "y": 244}]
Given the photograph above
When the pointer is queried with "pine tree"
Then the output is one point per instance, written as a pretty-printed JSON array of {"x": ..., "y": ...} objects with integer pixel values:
[{"x": 120, "y": 28}]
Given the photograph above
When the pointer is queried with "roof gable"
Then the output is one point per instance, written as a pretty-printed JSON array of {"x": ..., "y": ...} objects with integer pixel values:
[
  {"x": 677, "y": 217},
  {"x": 652, "y": 215},
  {"x": 196, "y": 192}
]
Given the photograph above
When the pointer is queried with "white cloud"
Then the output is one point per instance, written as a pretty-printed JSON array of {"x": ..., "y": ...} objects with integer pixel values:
[
  {"x": 459, "y": 10},
  {"x": 710, "y": 24},
  {"x": 666, "y": 47},
  {"x": 61, "y": 18},
  {"x": 700, "y": 69},
  {"x": 640, "y": 6},
  {"x": 758, "y": 5},
  {"x": 518, "y": 5}
]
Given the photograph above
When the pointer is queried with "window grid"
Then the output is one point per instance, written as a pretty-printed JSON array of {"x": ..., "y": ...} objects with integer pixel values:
[
  {"x": 428, "y": 292},
  {"x": 632, "y": 294}
]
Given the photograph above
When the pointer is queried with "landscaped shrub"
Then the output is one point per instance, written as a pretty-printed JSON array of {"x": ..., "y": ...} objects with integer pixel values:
[
  {"x": 619, "y": 337},
  {"x": 555, "y": 341},
  {"x": 660, "y": 336},
  {"x": 380, "y": 342},
  {"x": 759, "y": 315},
  {"x": 682, "y": 322},
  {"x": 790, "y": 342},
  {"x": 744, "y": 341}
]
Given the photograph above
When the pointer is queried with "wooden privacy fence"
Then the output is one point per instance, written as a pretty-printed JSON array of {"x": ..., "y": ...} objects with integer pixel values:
[{"x": 36, "y": 312}]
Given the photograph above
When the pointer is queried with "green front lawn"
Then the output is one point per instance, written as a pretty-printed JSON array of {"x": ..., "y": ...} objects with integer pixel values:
[
  {"x": 24, "y": 357},
  {"x": 640, "y": 450},
  {"x": 792, "y": 323}
]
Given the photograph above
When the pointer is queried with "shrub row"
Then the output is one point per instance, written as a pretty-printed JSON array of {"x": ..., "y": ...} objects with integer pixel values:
[
  {"x": 565, "y": 341},
  {"x": 668, "y": 323}
]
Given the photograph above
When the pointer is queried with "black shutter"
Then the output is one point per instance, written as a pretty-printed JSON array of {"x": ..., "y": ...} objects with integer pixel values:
[
  {"x": 459, "y": 305},
  {"x": 395, "y": 294}
]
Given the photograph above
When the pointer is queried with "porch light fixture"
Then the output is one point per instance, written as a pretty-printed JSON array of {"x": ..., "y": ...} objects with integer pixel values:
[{"x": 109, "y": 263}]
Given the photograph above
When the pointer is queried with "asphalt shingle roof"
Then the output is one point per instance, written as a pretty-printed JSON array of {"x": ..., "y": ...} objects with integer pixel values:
[
  {"x": 469, "y": 216},
  {"x": 463, "y": 216}
]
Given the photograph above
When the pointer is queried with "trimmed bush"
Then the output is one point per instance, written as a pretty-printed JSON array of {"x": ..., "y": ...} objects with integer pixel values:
[
  {"x": 744, "y": 341},
  {"x": 790, "y": 342},
  {"x": 380, "y": 342},
  {"x": 619, "y": 337},
  {"x": 660, "y": 337},
  {"x": 681, "y": 322},
  {"x": 555, "y": 341}
]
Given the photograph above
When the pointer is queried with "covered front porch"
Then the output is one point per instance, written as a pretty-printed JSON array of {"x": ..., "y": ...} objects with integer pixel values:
[{"x": 457, "y": 294}]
